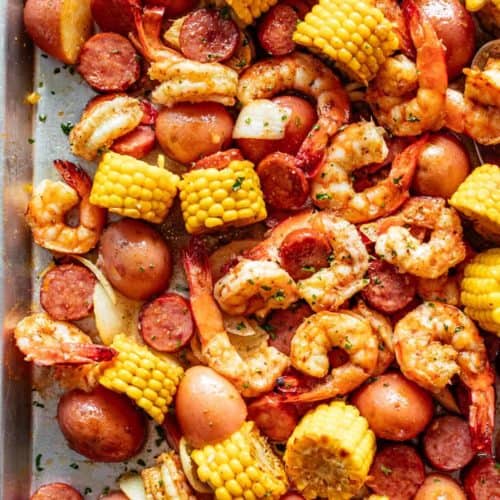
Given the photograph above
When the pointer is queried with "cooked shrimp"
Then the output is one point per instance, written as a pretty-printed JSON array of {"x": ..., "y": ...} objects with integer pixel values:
[
  {"x": 396, "y": 244},
  {"x": 254, "y": 371},
  {"x": 356, "y": 146},
  {"x": 436, "y": 341},
  {"x": 308, "y": 75},
  {"x": 48, "y": 342},
  {"x": 51, "y": 202},
  {"x": 316, "y": 336},
  {"x": 255, "y": 287},
  {"x": 407, "y": 98}
]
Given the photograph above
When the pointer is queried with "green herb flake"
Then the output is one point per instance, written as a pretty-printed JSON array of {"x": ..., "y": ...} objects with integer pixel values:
[
  {"x": 387, "y": 471},
  {"x": 87, "y": 491},
  {"x": 74, "y": 466},
  {"x": 42, "y": 118},
  {"x": 38, "y": 461},
  {"x": 323, "y": 196},
  {"x": 240, "y": 326},
  {"x": 237, "y": 185},
  {"x": 397, "y": 180},
  {"x": 67, "y": 127}
]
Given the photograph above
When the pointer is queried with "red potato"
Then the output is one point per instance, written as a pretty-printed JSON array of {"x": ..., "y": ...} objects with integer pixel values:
[
  {"x": 174, "y": 8},
  {"x": 187, "y": 132},
  {"x": 396, "y": 408},
  {"x": 135, "y": 258},
  {"x": 101, "y": 425},
  {"x": 303, "y": 117},
  {"x": 440, "y": 487},
  {"x": 56, "y": 491},
  {"x": 115, "y": 15},
  {"x": 137, "y": 143}
]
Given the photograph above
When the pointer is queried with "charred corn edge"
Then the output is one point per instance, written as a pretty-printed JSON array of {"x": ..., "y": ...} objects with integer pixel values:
[
  {"x": 133, "y": 188},
  {"x": 149, "y": 378},
  {"x": 335, "y": 438},
  {"x": 241, "y": 466},
  {"x": 354, "y": 33},
  {"x": 215, "y": 199},
  {"x": 249, "y": 10}
]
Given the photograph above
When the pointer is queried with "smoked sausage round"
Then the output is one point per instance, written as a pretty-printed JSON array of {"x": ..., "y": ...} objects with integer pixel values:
[
  {"x": 482, "y": 480},
  {"x": 275, "y": 31},
  {"x": 137, "y": 143},
  {"x": 56, "y": 491}
]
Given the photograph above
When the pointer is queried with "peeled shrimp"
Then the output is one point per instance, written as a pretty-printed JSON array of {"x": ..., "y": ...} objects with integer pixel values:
[
  {"x": 436, "y": 341},
  {"x": 48, "y": 342},
  {"x": 253, "y": 371},
  {"x": 308, "y": 75},
  {"x": 255, "y": 287},
  {"x": 102, "y": 123},
  {"x": 316, "y": 336},
  {"x": 407, "y": 98},
  {"x": 51, "y": 202},
  {"x": 356, "y": 146}
]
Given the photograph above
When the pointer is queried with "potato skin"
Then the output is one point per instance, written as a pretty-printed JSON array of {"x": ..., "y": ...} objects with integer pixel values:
[
  {"x": 101, "y": 425},
  {"x": 44, "y": 23}
]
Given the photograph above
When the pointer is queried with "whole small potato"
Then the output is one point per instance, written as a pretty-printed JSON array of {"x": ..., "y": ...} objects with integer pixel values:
[
  {"x": 396, "y": 408},
  {"x": 188, "y": 132},
  {"x": 442, "y": 166},
  {"x": 101, "y": 425},
  {"x": 440, "y": 487},
  {"x": 135, "y": 258}
]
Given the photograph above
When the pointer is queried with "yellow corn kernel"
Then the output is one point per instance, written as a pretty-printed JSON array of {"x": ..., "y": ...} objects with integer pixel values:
[
  {"x": 215, "y": 199},
  {"x": 260, "y": 473},
  {"x": 137, "y": 383},
  {"x": 475, "y": 5},
  {"x": 133, "y": 188},
  {"x": 478, "y": 197},
  {"x": 32, "y": 98},
  {"x": 332, "y": 438},
  {"x": 354, "y": 33},
  {"x": 249, "y": 10},
  {"x": 481, "y": 290}
]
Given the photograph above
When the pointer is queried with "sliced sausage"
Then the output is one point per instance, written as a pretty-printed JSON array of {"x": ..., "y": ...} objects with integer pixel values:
[
  {"x": 284, "y": 185},
  {"x": 440, "y": 487},
  {"x": 274, "y": 418},
  {"x": 275, "y": 31},
  {"x": 219, "y": 160},
  {"x": 301, "y": 7},
  {"x": 388, "y": 291},
  {"x": 397, "y": 472},
  {"x": 283, "y": 323},
  {"x": 56, "y": 491},
  {"x": 482, "y": 481},
  {"x": 66, "y": 292},
  {"x": 447, "y": 443},
  {"x": 303, "y": 252},
  {"x": 207, "y": 36},
  {"x": 108, "y": 63},
  {"x": 150, "y": 113},
  {"x": 115, "y": 15},
  {"x": 166, "y": 323},
  {"x": 137, "y": 143}
]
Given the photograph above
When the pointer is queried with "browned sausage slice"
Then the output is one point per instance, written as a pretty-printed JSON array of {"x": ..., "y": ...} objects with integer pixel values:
[
  {"x": 447, "y": 443},
  {"x": 108, "y": 63},
  {"x": 166, "y": 323},
  {"x": 303, "y": 252},
  {"x": 275, "y": 419},
  {"x": 66, "y": 292},
  {"x": 56, "y": 491},
  {"x": 482, "y": 481},
  {"x": 276, "y": 30},
  {"x": 137, "y": 143},
  {"x": 388, "y": 291},
  {"x": 219, "y": 160},
  {"x": 301, "y": 7},
  {"x": 207, "y": 36},
  {"x": 284, "y": 185},
  {"x": 283, "y": 323},
  {"x": 397, "y": 472},
  {"x": 115, "y": 15}
]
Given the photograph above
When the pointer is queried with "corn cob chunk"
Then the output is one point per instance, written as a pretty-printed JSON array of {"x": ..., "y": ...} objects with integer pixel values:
[
  {"x": 330, "y": 452},
  {"x": 166, "y": 481},
  {"x": 147, "y": 377},
  {"x": 241, "y": 467},
  {"x": 478, "y": 197},
  {"x": 475, "y": 5},
  {"x": 133, "y": 188},
  {"x": 481, "y": 290},
  {"x": 216, "y": 199},
  {"x": 354, "y": 33},
  {"x": 249, "y": 10}
]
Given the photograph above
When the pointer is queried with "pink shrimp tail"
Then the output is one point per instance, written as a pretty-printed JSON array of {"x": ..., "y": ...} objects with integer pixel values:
[
  {"x": 75, "y": 177},
  {"x": 406, "y": 162},
  {"x": 312, "y": 152},
  {"x": 197, "y": 267},
  {"x": 482, "y": 419}
]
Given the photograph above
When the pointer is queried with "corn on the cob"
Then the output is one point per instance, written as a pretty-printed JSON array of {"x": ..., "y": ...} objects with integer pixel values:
[
  {"x": 215, "y": 199},
  {"x": 478, "y": 197},
  {"x": 249, "y": 10},
  {"x": 166, "y": 481},
  {"x": 147, "y": 377},
  {"x": 354, "y": 33},
  {"x": 133, "y": 188},
  {"x": 330, "y": 452},
  {"x": 475, "y": 5},
  {"x": 481, "y": 290},
  {"x": 243, "y": 466}
]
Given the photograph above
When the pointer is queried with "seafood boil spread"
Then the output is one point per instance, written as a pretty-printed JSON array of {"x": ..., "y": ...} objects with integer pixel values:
[{"x": 308, "y": 169}]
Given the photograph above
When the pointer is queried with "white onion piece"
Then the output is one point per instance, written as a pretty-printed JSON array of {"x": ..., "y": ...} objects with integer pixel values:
[
  {"x": 262, "y": 119},
  {"x": 114, "y": 318},
  {"x": 99, "y": 275},
  {"x": 133, "y": 486},
  {"x": 240, "y": 326},
  {"x": 188, "y": 468}
]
